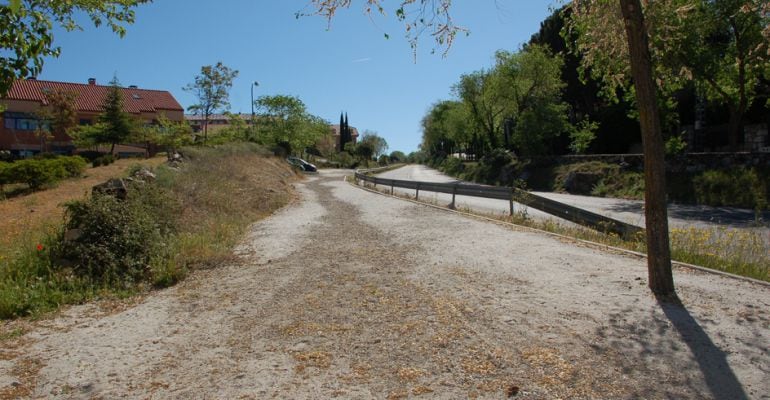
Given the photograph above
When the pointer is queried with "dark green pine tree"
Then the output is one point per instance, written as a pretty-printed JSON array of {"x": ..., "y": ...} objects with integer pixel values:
[
  {"x": 348, "y": 136},
  {"x": 342, "y": 133},
  {"x": 118, "y": 124}
]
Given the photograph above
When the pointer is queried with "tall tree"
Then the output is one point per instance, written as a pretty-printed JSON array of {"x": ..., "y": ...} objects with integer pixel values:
[
  {"x": 660, "y": 278},
  {"x": 377, "y": 143},
  {"x": 26, "y": 30},
  {"x": 113, "y": 125},
  {"x": 719, "y": 45},
  {"x": 212, "y": 91},
  {"x": 285, "y": 122}
]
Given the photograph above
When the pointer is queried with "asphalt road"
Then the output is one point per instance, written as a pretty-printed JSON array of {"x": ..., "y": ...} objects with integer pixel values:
[{"x": 629, "y": 211}]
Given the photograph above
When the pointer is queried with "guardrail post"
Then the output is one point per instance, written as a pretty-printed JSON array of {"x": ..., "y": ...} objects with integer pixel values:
[
  {"x": 454, "y": 192},
  {"x": 391, "y": 188},
  {"x": 417, "y": 195},
  {"x": 510, "y": 201}
]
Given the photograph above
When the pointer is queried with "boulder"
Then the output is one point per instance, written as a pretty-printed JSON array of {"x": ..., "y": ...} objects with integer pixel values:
[{"x": 113, "y": 187}]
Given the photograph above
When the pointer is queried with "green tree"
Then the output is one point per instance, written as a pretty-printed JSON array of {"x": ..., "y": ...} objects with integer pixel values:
[
  {"x": 26, "y": 30},
  {"x": 212, "y": 92},
  {"x": 447, "y": 128},
  {"x": 284, "y": 121},
  {"x": 169, "y": 134},
  {"x": 397, "y": 156},
  {"x": 628, "y": 43},
  {"x": 529, "y": 85},
  {"x": 721, "y": 46},
  {"x": 113, "y": 125},
  {"x": 487, "y": 109},
  {"x": 377, "y": 143}
]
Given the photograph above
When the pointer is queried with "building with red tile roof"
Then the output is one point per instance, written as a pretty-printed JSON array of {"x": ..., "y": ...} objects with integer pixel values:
[{"x": 26, "y": 97}]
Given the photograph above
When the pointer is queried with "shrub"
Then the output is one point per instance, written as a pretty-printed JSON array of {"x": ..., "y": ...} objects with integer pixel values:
[
  {"x": 34, "y": 173},
  {"x": 741, "y": 187},
  {"x": 74, "y": 166},
  {"x": 113, "y": 240},
  {"x": 675, "y": 146},
  {"x": 104, "y": 160},
  {"x": 499, "y": 167},
  {"x": 5, "y": 174}
]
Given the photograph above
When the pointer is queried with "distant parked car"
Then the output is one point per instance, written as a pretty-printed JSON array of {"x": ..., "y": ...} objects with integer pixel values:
[{"x": 302, "y": 164}]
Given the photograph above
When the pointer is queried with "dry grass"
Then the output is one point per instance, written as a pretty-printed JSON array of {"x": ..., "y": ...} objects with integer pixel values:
[
  {"x": 30, "y": 215},
  {"x": 217, "y": 194}
]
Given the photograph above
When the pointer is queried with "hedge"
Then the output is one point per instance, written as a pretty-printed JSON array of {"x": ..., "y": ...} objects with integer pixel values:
[{"x": 37, "y": 172}]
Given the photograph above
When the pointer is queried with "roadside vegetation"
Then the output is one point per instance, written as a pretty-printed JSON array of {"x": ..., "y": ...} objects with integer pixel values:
[
  {"x": 162, "y": 229},
  {"x": 742, "y": 187}
]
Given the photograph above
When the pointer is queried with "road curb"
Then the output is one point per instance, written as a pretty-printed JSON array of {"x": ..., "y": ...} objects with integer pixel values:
[{"x": 636, "y": 254}]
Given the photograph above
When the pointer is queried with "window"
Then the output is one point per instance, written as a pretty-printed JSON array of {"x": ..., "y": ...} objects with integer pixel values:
[
  {"x": 85, "y": 122},
  {"x": 20, "y": 121}
]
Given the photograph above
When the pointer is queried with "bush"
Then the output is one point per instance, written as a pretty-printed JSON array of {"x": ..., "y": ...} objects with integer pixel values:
[
  {"x": 113, "y": 240},
  {"x": 499, "y": 167},
  {"x": 74, "y": 166},
  {"x": 5, "y": 174},
  {"x": 104, "y": 160},
  {"x": 34, "y": 173},
  {"x": 741, "y": 187},
  {"x": 383, "y": 160}
]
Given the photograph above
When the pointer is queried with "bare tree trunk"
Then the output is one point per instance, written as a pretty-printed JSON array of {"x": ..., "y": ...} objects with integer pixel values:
[
  {"x": 658, "y": 252},
  {"x": 734, "y": 128}
]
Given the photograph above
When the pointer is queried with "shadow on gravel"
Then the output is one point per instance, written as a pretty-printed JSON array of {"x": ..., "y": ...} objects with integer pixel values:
[
  {"x": 650, "y": 350},
  {"x": 712, "y": 361}
]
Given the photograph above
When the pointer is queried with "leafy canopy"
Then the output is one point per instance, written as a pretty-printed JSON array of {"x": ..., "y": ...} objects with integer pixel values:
[{"x": 26, "y": 30}]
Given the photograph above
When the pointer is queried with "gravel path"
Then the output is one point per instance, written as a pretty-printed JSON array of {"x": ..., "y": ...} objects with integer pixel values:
[{"x": 349, "y": 294}]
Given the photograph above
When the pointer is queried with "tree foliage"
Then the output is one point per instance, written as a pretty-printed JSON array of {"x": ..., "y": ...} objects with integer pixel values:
[
  {"x": 26, "y": 30},
  {"x": 420, "y": 17},
  {"x": 516, "y": 104},
  {"x": 719, "y": 45},
  {"x": 168, "y": 134},
  {"x": 371, "y": 145},
  {"x": 113, "y": 125},
  {"x": 211, "y": 89},
  {"x": 284, "y": 121}
]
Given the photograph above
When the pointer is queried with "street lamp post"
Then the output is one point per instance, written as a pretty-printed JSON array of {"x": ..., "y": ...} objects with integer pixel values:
[
  {"x": 251, "y": 123},
  {"x": 255, "y": 83}
]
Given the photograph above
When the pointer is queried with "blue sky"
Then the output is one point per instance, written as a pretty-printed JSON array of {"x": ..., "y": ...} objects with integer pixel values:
[{"x": 348, "y": 67}]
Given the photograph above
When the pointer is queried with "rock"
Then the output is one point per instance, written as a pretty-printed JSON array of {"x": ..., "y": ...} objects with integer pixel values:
[
  {"x": 113, "y": 187},
  {"x": 144, "y": 174}
]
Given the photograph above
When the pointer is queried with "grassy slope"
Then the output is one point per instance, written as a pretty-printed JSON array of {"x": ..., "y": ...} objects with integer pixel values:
[{"x": 220, "y": 192}]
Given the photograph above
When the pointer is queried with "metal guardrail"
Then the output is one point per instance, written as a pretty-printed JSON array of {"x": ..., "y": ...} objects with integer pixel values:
[{"x": 510, "y": 194}]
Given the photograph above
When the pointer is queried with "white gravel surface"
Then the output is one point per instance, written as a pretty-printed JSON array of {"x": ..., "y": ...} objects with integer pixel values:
[{"x": 349, "y": 294}]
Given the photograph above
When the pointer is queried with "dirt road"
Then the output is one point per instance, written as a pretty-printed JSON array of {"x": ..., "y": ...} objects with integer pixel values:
[{"x": 349, "y": 294}]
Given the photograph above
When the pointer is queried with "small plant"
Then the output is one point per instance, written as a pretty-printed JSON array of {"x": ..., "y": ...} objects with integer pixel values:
[
  {"x": 675, "y": 146},
  {"x": 582, "y": 135}
]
